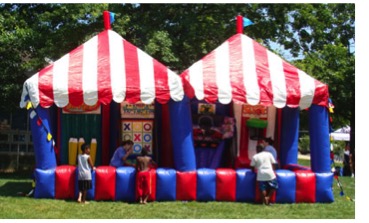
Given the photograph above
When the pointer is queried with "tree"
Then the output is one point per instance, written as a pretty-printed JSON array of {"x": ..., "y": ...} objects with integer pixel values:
[
  {"x": 197, "y": 29},
  {"x": 327, "y": 36}
]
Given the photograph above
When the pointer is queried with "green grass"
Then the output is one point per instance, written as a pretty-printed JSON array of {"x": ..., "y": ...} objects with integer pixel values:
[
  {"x": 304, "y": 162},
  {"x": 13, "y": 206}
]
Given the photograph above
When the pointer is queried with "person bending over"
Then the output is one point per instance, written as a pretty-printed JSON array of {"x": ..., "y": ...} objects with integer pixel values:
[
  {"x": 121, "y": 154},
  {"x": 264, "y": 164},
  {"x": 143, "y": 176}
]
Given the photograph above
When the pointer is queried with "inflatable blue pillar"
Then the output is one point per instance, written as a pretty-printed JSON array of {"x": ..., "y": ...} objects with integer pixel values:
[
  {"x": 289, "y": 135},
  {"x": 319, "y": 139},
  {"x": 43, "y": 147},
  {"x": 181, "y": 135}
]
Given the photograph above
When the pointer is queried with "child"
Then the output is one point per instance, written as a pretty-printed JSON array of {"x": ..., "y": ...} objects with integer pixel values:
[
  {"x": 84, "y": 173},
  {"x": 264, "y": 163},
  {"x": 268, "y": 147},
  {"x": 121, "y": 154},
  {"x": 143, "y": 176}
]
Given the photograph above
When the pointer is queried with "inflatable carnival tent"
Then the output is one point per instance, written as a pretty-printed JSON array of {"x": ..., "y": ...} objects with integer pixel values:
[
  {"x": 108, "y": 90},
  {"x": 104, "y": 91},
  {"x": 242, "y": 82}
]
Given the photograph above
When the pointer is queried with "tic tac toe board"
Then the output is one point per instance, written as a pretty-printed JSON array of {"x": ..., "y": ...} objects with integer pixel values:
[{"x": 140, "y": 132}]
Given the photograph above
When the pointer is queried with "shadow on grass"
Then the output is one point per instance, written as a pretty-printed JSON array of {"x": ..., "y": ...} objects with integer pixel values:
[
  {"x": 16, "y": 175},
  {"x": 12, "y": 189}
]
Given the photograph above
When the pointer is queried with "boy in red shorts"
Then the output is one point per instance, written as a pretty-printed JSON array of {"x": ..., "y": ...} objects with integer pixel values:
[{"x": 143, "y": 176}]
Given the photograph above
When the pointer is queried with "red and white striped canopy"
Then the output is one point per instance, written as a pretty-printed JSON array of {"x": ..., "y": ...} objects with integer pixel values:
[
  {"x": 105, "y": 68},
  {"x": 244, "y": 71}
]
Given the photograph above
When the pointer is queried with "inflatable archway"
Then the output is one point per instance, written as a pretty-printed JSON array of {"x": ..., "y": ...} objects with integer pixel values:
[{"x": 107, "y": 81}]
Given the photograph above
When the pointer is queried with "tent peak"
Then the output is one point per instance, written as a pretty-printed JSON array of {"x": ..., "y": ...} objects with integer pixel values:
[{"x": 108, "y": 19}]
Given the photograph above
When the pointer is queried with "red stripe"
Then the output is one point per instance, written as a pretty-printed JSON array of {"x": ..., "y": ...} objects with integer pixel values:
[
  {"x": 292, "y": 85},
  {"x": 244, "y": 141},
  {"x": 321, "y": 94},
  {"x": 45, "y": 86},
  {"x": 133, "y": 93},
  {"x": 103, "y": 69},
  {"x": 263, "y": 75},
  {"x": 161, "y": 83},
  {"x": 187, "y": 87},
  {"x": 209, "y": 72},
  {"x": 236, "y": 69},
  {"x": 75, "y": 90}
]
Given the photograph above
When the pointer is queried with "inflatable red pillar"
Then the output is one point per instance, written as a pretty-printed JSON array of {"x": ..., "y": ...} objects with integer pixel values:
[
  {"x": 106, "y": 16},
  {"x": 239, "y": 24}
]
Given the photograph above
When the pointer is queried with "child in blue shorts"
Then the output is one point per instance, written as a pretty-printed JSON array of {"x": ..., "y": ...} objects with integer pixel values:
[{"x": 265, "y": 165}]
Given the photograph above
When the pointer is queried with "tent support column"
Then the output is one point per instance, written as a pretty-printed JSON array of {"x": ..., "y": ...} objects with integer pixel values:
[
  {"x": 319, "y": 139},
  {"x": 289, "y": 135},
  {"x": 43, "y": 147},
  {"x": 181, "y": 135}
]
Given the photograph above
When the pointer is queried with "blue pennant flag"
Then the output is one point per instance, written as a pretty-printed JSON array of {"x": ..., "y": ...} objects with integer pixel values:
[
  {"x": 247, "y": 22},
  {"x": 112, "y": 14}
]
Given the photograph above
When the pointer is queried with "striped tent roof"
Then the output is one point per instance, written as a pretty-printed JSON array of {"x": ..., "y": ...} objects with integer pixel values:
[
  {"x": 105, "y": 68},
  {"x": 244, "y": 71}
]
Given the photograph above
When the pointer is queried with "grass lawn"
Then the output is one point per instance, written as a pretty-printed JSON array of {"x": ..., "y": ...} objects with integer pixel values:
[{"x": 13, "y": 206}]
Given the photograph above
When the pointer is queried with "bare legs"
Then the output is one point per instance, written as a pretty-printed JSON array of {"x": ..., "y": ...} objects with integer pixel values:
[
  {"x": 266, "y": 195},
  {"x": 82, "y": 197},
  {"x": 143, "y": 199},
  {"x": 79, "y": 197},
  {"x": 270, "y": 193}
]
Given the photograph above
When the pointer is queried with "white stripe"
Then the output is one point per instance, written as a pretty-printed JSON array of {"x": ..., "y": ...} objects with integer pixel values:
[
  {"x": 89, "y": 71},
  {"x": 117, "y": 67},
  {"x": 30, "y": 88},
  {"x": 251, "y": 148},
  {"x": 222, "y": 73},
  {"x": 175, "y": 86},
  {"x": 307, "y": 88},
  {"x": 249, "y": 71},
  {"x": 197, "y": 79},
  {"x": 272, "y": 114},
  {"x": 147, "y": 80},
  {"x": 278, "y": 80},
  {"x": 60, "y": 81}
]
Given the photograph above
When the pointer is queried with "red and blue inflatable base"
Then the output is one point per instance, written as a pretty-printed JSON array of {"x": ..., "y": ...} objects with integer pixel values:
[{"x": 119, "y": 184}]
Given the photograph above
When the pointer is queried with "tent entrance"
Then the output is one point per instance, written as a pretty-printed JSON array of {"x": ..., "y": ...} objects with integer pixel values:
[
  {"x": 213, "y": 131},
  {"x": 86, "y": 126}
]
